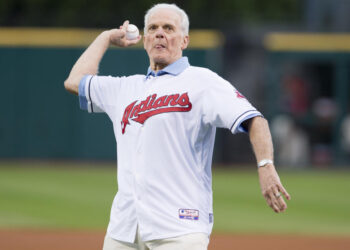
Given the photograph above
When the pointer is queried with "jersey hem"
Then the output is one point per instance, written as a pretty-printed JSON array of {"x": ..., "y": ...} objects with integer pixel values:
[{"x": 164, "y": 236}]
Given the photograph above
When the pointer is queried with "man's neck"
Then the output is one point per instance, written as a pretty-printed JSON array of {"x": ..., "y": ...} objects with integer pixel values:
[{"x": 158, "y": 66}]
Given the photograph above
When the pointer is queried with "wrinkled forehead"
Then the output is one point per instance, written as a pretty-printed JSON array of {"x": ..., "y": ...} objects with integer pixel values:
[{"x": 162, "y": 16}]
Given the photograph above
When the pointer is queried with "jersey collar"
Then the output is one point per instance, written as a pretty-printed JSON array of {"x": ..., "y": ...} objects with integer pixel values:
[{"x": 173, "y": 69}]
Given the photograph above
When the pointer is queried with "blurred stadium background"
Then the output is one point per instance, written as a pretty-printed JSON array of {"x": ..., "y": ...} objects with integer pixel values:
[{"x": 290, "y": 58}]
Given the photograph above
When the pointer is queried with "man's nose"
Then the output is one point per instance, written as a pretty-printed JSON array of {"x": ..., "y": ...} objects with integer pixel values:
[{"x": 160, "y": 33}]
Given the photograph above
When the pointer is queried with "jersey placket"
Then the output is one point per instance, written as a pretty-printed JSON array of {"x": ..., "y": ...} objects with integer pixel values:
[{"x": 139, "y": 168}]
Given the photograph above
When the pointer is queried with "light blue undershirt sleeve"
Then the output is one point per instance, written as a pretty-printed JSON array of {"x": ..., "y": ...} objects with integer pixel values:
[
  {"x": 83, "y": 103},
  {"x": 240, "y": 128}
]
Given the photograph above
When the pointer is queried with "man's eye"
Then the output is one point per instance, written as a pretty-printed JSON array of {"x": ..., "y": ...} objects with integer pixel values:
[{"x": 168, "y": 28}]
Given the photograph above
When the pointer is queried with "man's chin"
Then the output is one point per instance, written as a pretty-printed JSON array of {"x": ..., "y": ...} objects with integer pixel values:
[
  {"x": 161, "y": 60},
  {"x": 164, "y": 60}
]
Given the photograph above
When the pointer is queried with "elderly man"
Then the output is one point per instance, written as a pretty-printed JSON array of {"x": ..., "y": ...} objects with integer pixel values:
[{"x": 164, "y": 123}]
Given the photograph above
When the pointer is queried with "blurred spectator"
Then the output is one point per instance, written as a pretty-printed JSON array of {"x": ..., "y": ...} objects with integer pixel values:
[
  {"x": 325, "y": 111},
  {"x": 345, "y": 134},
  {"x": 291, "y": 143},
  {"x": 296, "y": 96}
]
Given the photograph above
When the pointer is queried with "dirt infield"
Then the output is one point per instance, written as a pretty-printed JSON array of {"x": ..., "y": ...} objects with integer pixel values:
[{"x": 75, "y": 240}]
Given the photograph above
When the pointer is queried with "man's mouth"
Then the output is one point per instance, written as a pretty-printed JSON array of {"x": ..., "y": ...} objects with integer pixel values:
[{"x": 159, "y": 46}]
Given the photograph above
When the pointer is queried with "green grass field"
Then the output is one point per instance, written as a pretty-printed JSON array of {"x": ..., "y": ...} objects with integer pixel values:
[{"x": 76, "y": 197}]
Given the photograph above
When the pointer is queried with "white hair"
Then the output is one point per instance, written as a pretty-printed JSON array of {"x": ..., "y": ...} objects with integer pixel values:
[{"x": 185, "y": 23}]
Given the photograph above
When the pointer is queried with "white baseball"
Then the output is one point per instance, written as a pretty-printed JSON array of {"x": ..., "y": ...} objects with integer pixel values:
[{"x": 132, "y": 32}]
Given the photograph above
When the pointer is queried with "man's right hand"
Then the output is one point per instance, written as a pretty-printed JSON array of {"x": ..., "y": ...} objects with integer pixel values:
[
  {"x": 88, "y": 62},
  {"x": 117, "y": 37}
]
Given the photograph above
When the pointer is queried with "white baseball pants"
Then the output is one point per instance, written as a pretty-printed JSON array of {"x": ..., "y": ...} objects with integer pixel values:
[{"x": 193, "y": 241}]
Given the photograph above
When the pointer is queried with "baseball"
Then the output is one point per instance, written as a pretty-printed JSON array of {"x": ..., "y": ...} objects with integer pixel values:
[{"x": 132, "y": 32}]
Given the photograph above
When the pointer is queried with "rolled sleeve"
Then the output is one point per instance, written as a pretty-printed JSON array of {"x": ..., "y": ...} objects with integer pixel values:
[
  {"x": 239, "y": 128},
  {"x": 226, "y": 107},
  {"x": 83, "y": 102}
]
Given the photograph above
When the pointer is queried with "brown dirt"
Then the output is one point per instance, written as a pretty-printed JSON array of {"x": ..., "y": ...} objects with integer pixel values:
[{"x": 90, "y": 240}]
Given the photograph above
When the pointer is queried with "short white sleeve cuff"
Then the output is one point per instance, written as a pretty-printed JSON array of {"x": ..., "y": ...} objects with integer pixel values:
[
  {"x": 83, "y": 103},
  {"x": 85, "y": 100},
  {"x": 237, "y": 124}
]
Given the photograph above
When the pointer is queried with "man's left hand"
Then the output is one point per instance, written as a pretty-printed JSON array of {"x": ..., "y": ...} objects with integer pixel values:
[{"x": 272, "y": 188}]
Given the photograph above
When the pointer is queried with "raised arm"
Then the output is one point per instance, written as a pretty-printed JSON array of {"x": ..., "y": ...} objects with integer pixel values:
[
  {"x": 89, "y": 61},
  {"x": 271, "y": 186}
]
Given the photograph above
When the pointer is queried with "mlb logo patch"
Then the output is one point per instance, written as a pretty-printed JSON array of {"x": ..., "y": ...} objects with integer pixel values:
[{"x": 188, "y": 214}]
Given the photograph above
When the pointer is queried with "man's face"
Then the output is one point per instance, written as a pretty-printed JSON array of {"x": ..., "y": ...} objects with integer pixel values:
[{"x": 164, "y": 40}]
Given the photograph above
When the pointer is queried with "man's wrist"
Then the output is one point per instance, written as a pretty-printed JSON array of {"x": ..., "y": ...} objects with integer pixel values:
[
  {"x": 106, "y": 35},
  {"x": 264, "y": 163}
]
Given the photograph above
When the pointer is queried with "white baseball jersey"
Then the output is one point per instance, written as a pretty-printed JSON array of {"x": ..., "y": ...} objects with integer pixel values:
[{"x": 164, "y": 126}]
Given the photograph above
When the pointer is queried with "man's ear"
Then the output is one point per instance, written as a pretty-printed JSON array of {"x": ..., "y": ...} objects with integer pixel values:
[{"x": 185, "y": 42}]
